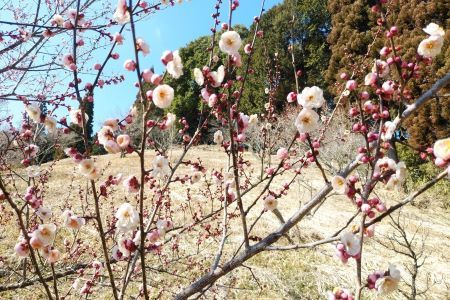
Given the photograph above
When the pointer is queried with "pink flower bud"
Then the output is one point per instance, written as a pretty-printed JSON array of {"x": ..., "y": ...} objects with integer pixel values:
[
  {"x": 283, "y": 153},
  {"x": 351, "y": 85},
  {"x": 129, "y": 65},
  {"x": 365, "y": 208},
  {"x": 97, "y": 66},
  {"x": 291, "y": 97}
]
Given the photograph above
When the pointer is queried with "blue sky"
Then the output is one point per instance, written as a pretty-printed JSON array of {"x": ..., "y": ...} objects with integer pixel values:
[{"x": 171, "y": 29}]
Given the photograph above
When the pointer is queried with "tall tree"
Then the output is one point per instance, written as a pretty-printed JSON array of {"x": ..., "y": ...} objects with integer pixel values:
[
  {"x": 298, "y": 26},
  {"x": 355, "y": 33}
]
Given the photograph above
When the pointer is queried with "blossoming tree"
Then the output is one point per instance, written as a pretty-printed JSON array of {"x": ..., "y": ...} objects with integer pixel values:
[{"x": 129, "y": 243}]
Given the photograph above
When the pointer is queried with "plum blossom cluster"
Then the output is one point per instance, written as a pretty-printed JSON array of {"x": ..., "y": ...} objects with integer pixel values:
[
  {"x": 340, "y": 294},
  {"x": 384, "y": 282},
  {"x": 432, "y": 46},
  {"x": 86, "y": 166},
  {"x": 310, "y": 98},
  {"x": 34, "y": 113},
  {"x": 349, "y": 247}
]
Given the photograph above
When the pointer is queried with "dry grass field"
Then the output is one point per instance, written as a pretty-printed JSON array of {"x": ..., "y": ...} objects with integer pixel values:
[{"x": 298, "y": 274}]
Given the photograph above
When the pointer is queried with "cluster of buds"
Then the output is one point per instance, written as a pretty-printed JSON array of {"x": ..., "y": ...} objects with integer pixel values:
[
  {"x": 340, "y": 294},
  {"x": 371, "y": 206}
]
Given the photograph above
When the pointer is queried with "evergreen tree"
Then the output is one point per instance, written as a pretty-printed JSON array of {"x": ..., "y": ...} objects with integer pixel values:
[
  {"x": 298, "y": 25},
  {"x": 354, "y": 30}
]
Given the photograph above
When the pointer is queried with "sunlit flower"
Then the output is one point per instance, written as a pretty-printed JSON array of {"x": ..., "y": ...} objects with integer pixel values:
[
  {"x": 175, "y": 66},
  {"x": 270, "y": 203},
  {"x": 129, "y": 65},
  {"x": 370, "y": 78},
  {"x": 198, "y": 77},
  {"x": 127, "y": 217},
  {"x": 45, "y": 233},
  {"x": 351, "y": 243},
  {"x": 388, "y": 130},
  {"x": 34, "y": 112},
  {"x": 160, "y": 166},
  {"x": 388, "y": 283},
  {"x": 311, "y": 97},
  {"x": 230, "y": 42},
  {"x": 71, "y": 220},
  {"x": 441, "y": 149},
  {"x": 218, "y": 137},
  {"x": 339, "y": 184},
  {"x": 86, "y": 166},
  {"x": 121, "y": 14},
  {"x": 434, "y": 29},
  {"x": 283, "y": 153},
  {"x": 50, "y": 254},
  {"x": 307, "y": 120},
  {"x": 431, "y": 46},
  {"x": 141, "y": 45},
  {"x": 163, "y": 96},
  {"x": 123, "y": 141},
  {"x": 94, "y": 174}
]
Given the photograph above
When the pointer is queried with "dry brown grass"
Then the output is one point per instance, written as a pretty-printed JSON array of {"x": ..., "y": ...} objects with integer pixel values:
[{"x": 302, "y": 274}]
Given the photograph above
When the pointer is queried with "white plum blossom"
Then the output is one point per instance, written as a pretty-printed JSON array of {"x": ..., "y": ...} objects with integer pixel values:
[
  {"x": 270, "y": 203},
  {"x": 45, "y": 233},
  {"x": 380, "y": 68},
  {"x": 389, "y": 129},
  {"x": 86, "y": 166},
  {"x": 123, "y": 141},
  {"x": 163, "y": 96},
  {"x": 198, "y": 77},
  {"x": 21, "y": 249},
  {"x": 160, "y": 166},
  {"x": 218, "y": 137},
  {"x": 311, "y": 97},
  {"x": 434, "y": 29},
  {"x": 58, "y": 20},
  {"x": 370, "y": 78},
  {"x": 121, "y": 15},
  {"x": 171, "y": 118},
  {"x": 112, "y": 147},
  {"x": 141, "y": 45},
  {"x": 431, "y": 46},
  {"x": 230, "y": 42},
  {"x": 34, "y": 112},
  {"x": 441, "y": 149},
  {"x": 175, "y": 66},
  {"x": 384, "y": 165},
  {"x": 127, "y": 218},
  {"x": 388, "y": 283},
  {"x": 339, "y": 184},
  {"x": 351, "y": 243},
  {"x": 307, "y": 120},
  {"x": 71, "y": 220}
]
